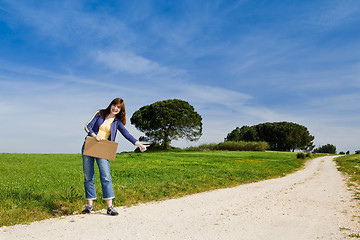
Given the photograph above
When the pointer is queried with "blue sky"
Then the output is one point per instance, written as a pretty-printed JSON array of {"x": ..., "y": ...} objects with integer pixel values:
[{"x": 237, "y": 62}]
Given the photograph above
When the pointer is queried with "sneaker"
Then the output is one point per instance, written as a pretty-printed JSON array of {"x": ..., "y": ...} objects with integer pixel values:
[
  {"x": 112, "y": 211},
  {"x": 88, "y": 209}
]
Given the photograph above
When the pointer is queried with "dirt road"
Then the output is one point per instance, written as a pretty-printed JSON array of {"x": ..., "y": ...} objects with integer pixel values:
[{"x": 313, "y": 203}]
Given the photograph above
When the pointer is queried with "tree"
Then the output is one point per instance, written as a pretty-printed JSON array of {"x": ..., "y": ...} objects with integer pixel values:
[
  {"x": 245, "y": 133},
  {"x": 281, "y": 136},
  {"x": 168, "y": 120},
  {"x": 328, "y": 148}
]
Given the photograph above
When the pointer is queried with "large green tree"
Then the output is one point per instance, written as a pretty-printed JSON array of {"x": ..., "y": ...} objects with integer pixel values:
[
  {"x": 168, "y": 120},
  {"x": 281, "y": 136}
]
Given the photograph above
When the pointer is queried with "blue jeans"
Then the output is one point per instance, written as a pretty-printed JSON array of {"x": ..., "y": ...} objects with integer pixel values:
[{"x": 89, "y": 175}]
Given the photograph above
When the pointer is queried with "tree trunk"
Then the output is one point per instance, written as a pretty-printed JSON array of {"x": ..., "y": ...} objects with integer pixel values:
[{"x": 166, "y": 141}]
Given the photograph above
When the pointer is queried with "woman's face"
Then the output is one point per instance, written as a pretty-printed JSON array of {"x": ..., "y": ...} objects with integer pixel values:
[{"x": 115, "y": 109}]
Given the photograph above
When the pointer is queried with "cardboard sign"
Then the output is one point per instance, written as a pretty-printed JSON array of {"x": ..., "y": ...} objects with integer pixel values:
[{"x": 103, "y": 149}]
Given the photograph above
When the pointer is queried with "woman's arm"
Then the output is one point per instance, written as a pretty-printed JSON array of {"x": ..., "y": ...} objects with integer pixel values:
[
  {"x": 126, "y": 134},
  {"x": 90, "y": 124},
  {"x": 130, "y": 138}
]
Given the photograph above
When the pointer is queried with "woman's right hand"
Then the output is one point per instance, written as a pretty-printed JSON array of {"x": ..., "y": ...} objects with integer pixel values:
[{"x": 98, "y": 138}]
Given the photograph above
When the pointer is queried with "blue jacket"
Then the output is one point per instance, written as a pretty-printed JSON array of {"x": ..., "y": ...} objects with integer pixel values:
[{"x": 95, "y": 122}]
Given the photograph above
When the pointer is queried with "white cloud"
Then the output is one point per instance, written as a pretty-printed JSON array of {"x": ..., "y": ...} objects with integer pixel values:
[
  {"x": 66, "y": 23},
  {"x": 214, "y": 95},
  {"x": 338, "y": 103},
  {"x": 130, "y": 63},
  {"x": 334, "y": 13}
]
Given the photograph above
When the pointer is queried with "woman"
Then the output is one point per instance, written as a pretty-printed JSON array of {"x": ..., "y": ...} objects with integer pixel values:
[{"x": 104, "y": 125}]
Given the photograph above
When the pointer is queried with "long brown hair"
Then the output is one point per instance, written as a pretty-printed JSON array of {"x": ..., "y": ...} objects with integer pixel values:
[{"x": 121, "y": 115}]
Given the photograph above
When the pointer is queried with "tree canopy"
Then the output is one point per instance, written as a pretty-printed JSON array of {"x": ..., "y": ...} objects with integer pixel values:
[
  {"x": 168, "y": 120},
  {"x": 328, "y": 148},
  {"x": 281, "y": 136}
]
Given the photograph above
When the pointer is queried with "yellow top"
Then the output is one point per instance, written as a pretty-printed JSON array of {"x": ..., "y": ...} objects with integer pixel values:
[{"x": 104, "y": 129}]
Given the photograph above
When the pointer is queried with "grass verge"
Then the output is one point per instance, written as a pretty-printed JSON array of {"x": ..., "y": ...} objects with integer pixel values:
[
  {"x": 350, "y": 165},
  {"x": 39, "y": 186}
]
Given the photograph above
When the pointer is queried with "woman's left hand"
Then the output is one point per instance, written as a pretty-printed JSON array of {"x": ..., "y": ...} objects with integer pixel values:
[{"x": 142, "y": 147}]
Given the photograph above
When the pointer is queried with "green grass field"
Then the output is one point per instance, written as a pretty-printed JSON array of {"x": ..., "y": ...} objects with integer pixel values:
[
  {"x": 40, "y": 186},
  {"x": 350, "y": 164}
]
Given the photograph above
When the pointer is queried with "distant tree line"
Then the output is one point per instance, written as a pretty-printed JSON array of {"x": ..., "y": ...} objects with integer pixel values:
[
  {"x": 328, "y": 148},
  {"x": 281, "y": 136}
]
